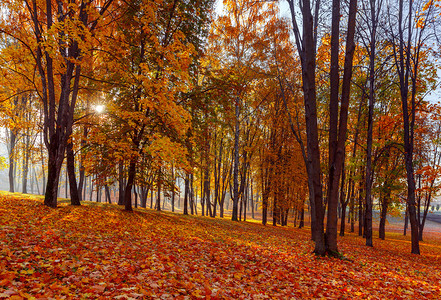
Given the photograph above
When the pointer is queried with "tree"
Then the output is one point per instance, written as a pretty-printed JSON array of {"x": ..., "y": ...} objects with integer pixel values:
[
  {"x": 59, "y": 35},
  {"x": 240, "y": 34},
  {"x": 337, "y": 139},
  {"x": 306, "y": 47},
  {"x": 409, "y": 33}
]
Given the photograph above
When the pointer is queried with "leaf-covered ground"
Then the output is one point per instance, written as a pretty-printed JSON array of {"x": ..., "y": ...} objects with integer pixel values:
[{"x": 96, "y": 251}]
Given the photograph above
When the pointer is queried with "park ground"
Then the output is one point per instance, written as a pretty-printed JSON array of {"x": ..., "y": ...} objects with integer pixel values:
[{"x": 100, "y": 251}]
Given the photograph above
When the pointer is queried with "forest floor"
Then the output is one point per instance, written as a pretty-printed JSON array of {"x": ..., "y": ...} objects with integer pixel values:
[{"x": 99, "y": 251}]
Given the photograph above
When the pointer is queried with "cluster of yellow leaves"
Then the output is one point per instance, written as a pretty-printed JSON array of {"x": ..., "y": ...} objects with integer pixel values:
[{"x": 101, "y": 251}]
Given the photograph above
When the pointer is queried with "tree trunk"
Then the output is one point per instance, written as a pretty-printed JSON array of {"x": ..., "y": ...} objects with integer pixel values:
[
  {"x": 81, "y": 184},
  {"x": 55, "y": 161},
  {"x": 234, "y": 216},
  {"x": 406, "y": 220},
  {"x": 90, "y": 188},
  {"x": 129, "y": 185},
  {"x": 107, "y": 191},
  {"x": 343, "y": 202},
  {"x": 252, "y": 200},
  {"x": 121, "y": 183},
  {"x": 12, "y": 142},
  {"x": 383, "y": 215},
  {"x": 427, "y": 198},
  {"x": 337, "y": 139},
  {"x": 207, "y": 191},
  {"x": 369, "y": 175},
  {"x": 275, "y": 210},
  {"x": 98, "y": 192},
  {"x": 158, "y": 197},
  {"x": 403, "y": 64},
  {"x": 173, "y": 190},
  {"x": 26, "y": 162},
  {"x": 193, "y": 196},
  {"x": 186, "y": 192},
  {"x": 134, "y": 191},
  {"x": 74, "y": 194},
  {"x": 360, "y": 213},
  {"x": 202, "y": 194}
]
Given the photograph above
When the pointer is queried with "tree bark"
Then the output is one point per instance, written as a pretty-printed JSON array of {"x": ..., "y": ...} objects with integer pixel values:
[
  {"x": 383, "y": 215},
  {"x": 81, "y": 184},
  {"x": 129, "y": 185},
  {"x": 306, "y": 47},
  {"x": 234, "y": 216},
  {"x": 186, "y": 195},
  {"x": 158, "y": 197},
  {"x": 121, "y": 192},
  {"x": 408, "y": 126},
  {"x": 12, "y": 142},
  {"x": 74, "y": 194},
  {"x": 337, "y": 139},
  {"x": 55, "y": 161},
  {"x": 360, "y": 212}
]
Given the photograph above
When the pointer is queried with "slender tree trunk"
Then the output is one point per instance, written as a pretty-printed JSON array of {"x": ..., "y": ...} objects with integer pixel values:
[
  {"x": 246, "y": 195},
  {"x": 383, "y": 215},
  {"x": 90, "y": 188},
  {"x": 12, "y": 142},
  {"x": 129, "y": 185},
  {"x": 98, "y": 192},
  {"x": 193, "y": 196},
  {"x": 107, "y": 191},
  {"x": 207, "y": 191},
  {"x": 186, "y": 188},
  {"x": 343, "y": 202},
  {"x": 158, "y": 197},
  {"x": 369, "y": 175},
  {"x": 351, "y": 199},
  {"x": 202, "y": 194},
  {"x": 173, "y": 190},
  {"x": 406, "y": 220},
  {"x": 403, "y": 64},
  {"x": 26, "y": 157},
  {"x": 164, "y": 198},
  {"x": 360, "y": 213},
  {"x": 275, "y": 209},
  {"x": 234, "y": 216},
  {"x": 337, "y": 139},
  {"x": 252, "y": 200},
  {"x": 426, "y": 210},
  {"x": 121, "y": 184},
  {"x": 136, "y": 195},
  {"x": 265, "y": 195},
  {"x": 70, "y": 165},
  {"x": 81, "y": 167}
]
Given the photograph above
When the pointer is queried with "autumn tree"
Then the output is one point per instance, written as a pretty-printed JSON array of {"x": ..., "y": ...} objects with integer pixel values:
[
  {"x": 239, "y": 33},
  {"x": 57, "y": 35},
  {"x": 427, "y": 160},
  {"x": 410, "y": 32},
  {"x": 306, "y": 42}
]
